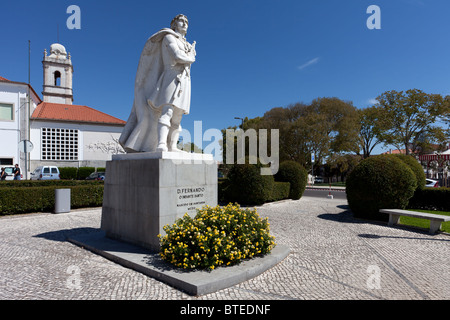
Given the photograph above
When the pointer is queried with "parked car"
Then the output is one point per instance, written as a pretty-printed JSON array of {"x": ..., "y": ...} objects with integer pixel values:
[
  {"x": 96, "y": 176},
  {"x": 318, "y": 180},
  {"x": 45, "y": 173},
  {"x": 10, "y": 174},
  {"x": 432, "y": 183}
]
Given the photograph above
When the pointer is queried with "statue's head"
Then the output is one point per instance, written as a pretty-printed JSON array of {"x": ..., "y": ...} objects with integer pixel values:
[{"x": 180, "y": 24}]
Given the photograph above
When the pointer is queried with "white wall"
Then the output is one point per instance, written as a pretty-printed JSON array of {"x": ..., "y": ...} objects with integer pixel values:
[
  {"x": 95, "y": 142},
  {"x": 101, "y": 145},
  {"x": 10, "y": 135},
  {"x": 9, "y": 130}
]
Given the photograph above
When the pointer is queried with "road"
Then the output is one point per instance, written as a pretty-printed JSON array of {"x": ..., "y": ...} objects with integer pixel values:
[{"x": 323, "y": 193}]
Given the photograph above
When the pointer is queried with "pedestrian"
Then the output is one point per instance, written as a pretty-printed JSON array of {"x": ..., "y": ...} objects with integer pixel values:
[
  {"x": 16, "y": 172},
  {"x": 3, "y": 175}
]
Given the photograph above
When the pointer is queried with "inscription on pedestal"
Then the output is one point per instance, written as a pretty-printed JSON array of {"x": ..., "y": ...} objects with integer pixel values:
[
  {"x": 190, "y": 199},
  {"x": 135, "y": 210}
]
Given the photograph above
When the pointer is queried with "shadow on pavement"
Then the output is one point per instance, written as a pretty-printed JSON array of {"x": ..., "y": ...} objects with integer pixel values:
[
  {"x": 344, "y": 216},
  {"x": 375, "y": 236},
  {"x": 64, "y": 235}
]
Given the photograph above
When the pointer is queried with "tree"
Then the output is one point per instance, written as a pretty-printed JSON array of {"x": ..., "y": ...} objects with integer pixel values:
[
  {"x": 373, "y": 124},
  {"x": 189, "y": 147},
  {"x": 340, "y": 165},
  {"x": 412, "y": 118},
  {"x": 341, "y": 123},
  {"x": 326, "y": 126}
]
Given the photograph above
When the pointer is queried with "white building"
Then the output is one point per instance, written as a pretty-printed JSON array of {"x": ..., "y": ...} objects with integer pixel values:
[
  {"x": 61, "y": 133},
  {"x": 18, "y": 100}
]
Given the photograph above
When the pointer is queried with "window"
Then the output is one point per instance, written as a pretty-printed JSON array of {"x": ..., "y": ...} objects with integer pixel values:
[
  {"x": 6, "y": 161},
  {"x": 57, "y": 78},
  {"x": 6, "y": 112},
  {"x": 59, "y": 144}
]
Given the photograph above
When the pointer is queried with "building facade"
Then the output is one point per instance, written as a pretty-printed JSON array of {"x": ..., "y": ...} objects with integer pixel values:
[
  {"x": 61, "y": 133},
  {"x": 18, "y": 101},
  {"x": 73, "y": 136}
]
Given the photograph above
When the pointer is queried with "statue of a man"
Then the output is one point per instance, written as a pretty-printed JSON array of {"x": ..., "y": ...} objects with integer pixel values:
[{"x": 162, "y": 91}]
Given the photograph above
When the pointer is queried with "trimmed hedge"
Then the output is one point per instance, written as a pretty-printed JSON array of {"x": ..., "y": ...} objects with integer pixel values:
[
  {"x": 20, "y": 200},
  {"x": 280, "y": 191},
  {"x": 379, "y": 182},
  {"x": 437, "y": 199},
  {"x": 84, "y": 172},
  {"x": 47, "y": 183},
  {"x": 68, "y": 173},
  {"x": 245, "y": 185},
  {"x": 416, "y": 168},
  {"x": 296, "y": 175}
]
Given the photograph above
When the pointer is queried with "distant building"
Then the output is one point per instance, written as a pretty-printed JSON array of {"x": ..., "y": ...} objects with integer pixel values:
[
  {"x": 18, "y": 100},
  {"x": 71, "y": 135},
  {"x": 61, "y": 133},
  {"x": 396, "y": 151},
  {"x": 58, "y": 75}
]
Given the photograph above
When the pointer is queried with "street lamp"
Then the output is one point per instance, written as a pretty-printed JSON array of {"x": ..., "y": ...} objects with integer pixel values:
[{"x": 237, "y": 118}]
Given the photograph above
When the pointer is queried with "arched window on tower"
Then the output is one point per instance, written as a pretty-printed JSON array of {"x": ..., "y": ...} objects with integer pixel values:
[{"x": 57, "y": 78}]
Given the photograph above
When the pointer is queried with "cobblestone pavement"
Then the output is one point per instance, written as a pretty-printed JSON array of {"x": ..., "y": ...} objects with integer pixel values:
[{"x": 333, "y": 257}]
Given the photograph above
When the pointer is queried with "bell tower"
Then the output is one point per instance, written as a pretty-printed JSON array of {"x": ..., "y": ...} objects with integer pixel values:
[{"x": 58, "y": 73}]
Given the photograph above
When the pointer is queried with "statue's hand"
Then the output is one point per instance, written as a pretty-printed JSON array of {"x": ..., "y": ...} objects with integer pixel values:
[{"x": 194, "y": 53}]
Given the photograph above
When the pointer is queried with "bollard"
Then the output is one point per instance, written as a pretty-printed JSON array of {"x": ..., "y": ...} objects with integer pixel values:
[{"x": 62, "y": 200}]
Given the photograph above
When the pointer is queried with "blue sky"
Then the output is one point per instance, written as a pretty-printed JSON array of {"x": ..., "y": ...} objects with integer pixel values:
[{"x": 251, "y": 55}]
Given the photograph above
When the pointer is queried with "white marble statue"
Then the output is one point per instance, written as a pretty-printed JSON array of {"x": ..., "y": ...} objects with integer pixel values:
[{"x": 162, "y": 91}]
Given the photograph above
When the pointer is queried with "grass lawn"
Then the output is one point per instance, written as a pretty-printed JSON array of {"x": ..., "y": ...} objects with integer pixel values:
[{"x": 423, "y": 223}]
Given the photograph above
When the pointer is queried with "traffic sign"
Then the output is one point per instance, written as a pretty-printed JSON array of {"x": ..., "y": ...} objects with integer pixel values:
[{"x": 26, "y": 144}]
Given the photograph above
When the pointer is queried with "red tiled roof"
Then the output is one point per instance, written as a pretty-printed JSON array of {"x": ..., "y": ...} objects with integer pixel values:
[
  {"x": 403, "y": 151},
  {"x": 73, "y": 113},
  {"x": 21, "y": 83}
]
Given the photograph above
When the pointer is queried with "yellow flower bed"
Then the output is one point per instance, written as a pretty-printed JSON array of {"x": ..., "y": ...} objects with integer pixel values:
[{"x": 216, "y": 236}]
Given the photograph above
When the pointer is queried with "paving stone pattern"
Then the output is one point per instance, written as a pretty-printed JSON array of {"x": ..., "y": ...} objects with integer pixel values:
[{"x": 333, "y": 257}]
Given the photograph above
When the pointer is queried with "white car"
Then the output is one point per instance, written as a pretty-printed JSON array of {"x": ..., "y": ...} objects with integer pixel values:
[
  {"x": 10, "y": 174},
  {"x": 45, "y": 173},
  {"x": 432, "y": 183}
]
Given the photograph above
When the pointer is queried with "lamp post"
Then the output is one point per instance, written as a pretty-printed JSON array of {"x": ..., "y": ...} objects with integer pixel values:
[{"x": 242, "y": 120}]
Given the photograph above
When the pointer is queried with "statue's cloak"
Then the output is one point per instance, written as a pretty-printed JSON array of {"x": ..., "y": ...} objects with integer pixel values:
[{"x": 140, "y": 133}]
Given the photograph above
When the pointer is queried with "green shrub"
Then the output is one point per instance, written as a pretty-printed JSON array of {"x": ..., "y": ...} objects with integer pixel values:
[
  {"x": 85, "y": 196},
  {"x": 280, "y": 191},
  {"x": 68, "y": 173},
  {"x": 416, "y": 168},
  {"x": 26, "y": 200},
  {"x": 437, "y": 199},
  {"x": 21, "y": 200},
  {"x": 216, "y": 236},
  {"x": 222, "y": 186},
  {"x": 247, "y": 186},
  {"x": 84, "y": 172},
  {"x": 379, "y": 182},
  {"x": 296, "y": 175},
  {"x": 47, "y": 183}
]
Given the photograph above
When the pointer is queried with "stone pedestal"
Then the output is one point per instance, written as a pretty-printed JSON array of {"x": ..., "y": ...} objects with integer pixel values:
[{"x": 146, "y": 191}]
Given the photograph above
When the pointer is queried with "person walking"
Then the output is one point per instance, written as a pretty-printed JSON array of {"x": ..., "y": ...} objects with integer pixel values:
[
  {"x": 16, "y": 172},
  {"x": 3, "y": 175}
]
